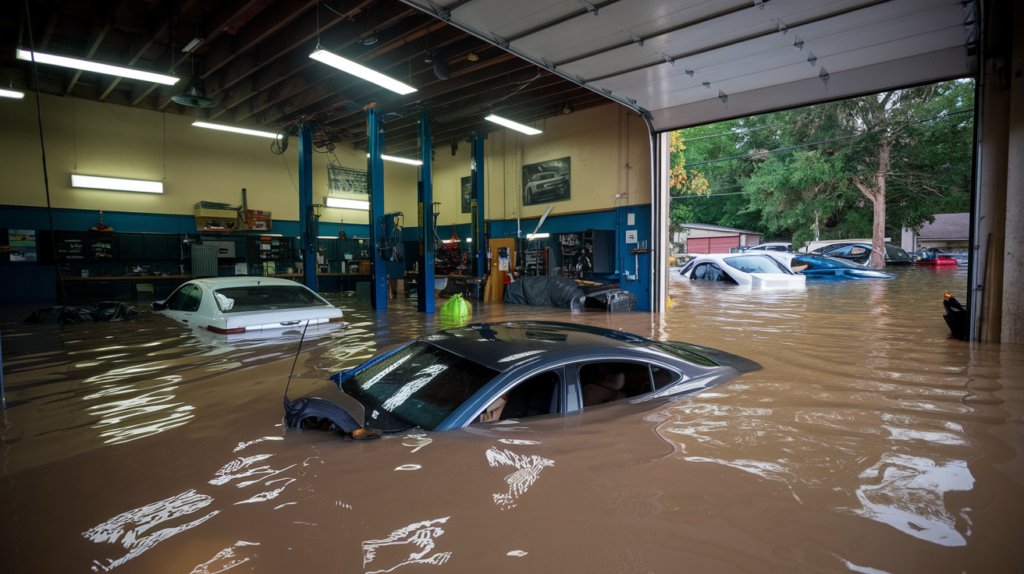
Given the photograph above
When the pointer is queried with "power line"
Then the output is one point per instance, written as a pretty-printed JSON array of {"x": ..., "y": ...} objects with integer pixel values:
[{"x": 731, "y": 133}]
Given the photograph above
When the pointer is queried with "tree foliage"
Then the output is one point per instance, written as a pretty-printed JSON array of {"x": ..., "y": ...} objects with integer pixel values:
[{"x": 908, "y": 149}]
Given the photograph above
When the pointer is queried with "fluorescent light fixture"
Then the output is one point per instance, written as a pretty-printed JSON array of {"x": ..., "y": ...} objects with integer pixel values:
[
  {"x": 532, "y": 236},
  {"x": 513, "y": 125},
  {"x": 192, "y": 45},
  {"x": 467, "y": 240},
  {"x": 361, "y": 71},
  {"x": 90, "y": 66},
  {"x": 347, "y": 203},
  {"x": 115, "y": 184},
  {"x": 399, "y": 159},
  {"x": 11, "y": 94},
  {"x": 224, "y": 128}
]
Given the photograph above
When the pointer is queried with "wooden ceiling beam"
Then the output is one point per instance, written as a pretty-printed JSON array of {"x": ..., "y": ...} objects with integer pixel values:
[
  {"x": 408, "y": 46},
  {"x": 223, "y": 15},
  {"x": 287, "y": 68},
  {"x": 482, "y": 71},
  {"x": 275, "y": 18},
  {"x": 95, "y": 39}
]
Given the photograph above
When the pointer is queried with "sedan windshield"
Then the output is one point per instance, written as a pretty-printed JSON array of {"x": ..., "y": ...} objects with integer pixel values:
[
  {"x": 266, "y": 298},
  {"x": 419, "y": 384},
  {"x": 757, "y": 264}
]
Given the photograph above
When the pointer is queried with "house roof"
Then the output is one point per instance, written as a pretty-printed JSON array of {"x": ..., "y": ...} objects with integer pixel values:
[
  {"x": 947, "y": 226},
  {"x": 709, "y": 227}
]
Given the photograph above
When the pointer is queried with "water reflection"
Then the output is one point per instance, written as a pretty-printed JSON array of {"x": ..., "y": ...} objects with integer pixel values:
[
  {"x": 528, "y": 469},
  {"x": 420, "y": 535},
  {"x": 132, "y": 528}
]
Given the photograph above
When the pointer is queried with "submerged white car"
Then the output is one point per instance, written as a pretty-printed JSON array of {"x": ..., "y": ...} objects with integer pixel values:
[
  {"x": 755, "y": 270},
  {"x": 231, "y": 305}
]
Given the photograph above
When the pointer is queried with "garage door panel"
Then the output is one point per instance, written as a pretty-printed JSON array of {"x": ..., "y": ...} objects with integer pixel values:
[
  {"x": 697, "y": 245},
  {"x": 723, "y": 244}
]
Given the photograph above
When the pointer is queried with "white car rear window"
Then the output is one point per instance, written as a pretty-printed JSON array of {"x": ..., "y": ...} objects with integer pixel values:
[{"x": 266, "y": 298}]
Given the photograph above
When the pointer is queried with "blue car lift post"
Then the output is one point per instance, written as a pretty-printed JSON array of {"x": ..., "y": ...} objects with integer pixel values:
[
  {"x": 309, "y": 236},
  {"x": 425, "y": 300},
  {"x": 477, "y": 187},
  {"x": 375, "y": 185}
]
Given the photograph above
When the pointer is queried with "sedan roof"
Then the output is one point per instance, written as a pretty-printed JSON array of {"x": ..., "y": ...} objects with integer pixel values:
[{"x": 501, "y": 346}]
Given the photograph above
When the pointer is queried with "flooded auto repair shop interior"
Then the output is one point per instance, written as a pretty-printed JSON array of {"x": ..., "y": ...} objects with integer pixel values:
[{"x": 454, "y": 285}]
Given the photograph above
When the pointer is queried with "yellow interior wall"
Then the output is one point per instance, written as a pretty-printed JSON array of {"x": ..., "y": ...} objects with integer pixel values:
[{"x": 608, "y": 145}]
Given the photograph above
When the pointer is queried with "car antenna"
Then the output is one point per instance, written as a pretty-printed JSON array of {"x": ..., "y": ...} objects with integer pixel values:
[{"x": 295, "y": 360}]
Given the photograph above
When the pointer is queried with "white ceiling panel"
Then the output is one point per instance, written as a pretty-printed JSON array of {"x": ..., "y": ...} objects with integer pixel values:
[
  {"x": 734, "y": 45},
  {"x": 613, "y": 24},
  {"x": 864, "y": 80},
  {"x": 824, "y": 39}
]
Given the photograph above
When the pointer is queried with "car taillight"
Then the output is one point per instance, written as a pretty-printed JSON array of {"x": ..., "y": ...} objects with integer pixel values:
[
  {"x": 234, "y": 331},
  {"x": 336, "y": 320}
]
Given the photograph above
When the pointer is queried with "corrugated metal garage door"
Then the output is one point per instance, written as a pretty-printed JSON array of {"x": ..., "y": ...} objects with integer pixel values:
[
  {"x": 723, "y": 244},
  {"x": 698, "y": 245}
]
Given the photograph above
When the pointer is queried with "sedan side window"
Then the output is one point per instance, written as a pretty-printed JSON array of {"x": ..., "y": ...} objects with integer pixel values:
[
  {"x": 841, "y": 251},
  {"x": 699, "y": 271},
  {"x": 538, "y": 395},
  {"x": 178, "y": 298},
  {"x": 195, "y": 296},
  {"x": 663, "y": 377},
  {"x": 610, "y": 381}
]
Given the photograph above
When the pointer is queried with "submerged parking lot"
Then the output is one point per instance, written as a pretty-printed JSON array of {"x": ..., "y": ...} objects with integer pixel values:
[{"x": 869, "y": 442}]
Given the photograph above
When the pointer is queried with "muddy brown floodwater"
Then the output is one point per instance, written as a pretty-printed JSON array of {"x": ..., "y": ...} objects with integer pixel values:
[{"x": 870, "y": 442}]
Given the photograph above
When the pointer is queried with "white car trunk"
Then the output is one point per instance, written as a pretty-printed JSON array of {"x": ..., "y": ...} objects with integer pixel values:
[
  {"x": 275, "y": 319},
  {"x": 776, "y": 281}
]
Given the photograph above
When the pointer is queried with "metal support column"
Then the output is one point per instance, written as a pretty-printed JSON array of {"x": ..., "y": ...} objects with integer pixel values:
[
  {"x": 425, "y": 301},
  {"x": 305, "y": 201},
  {"x": 479, "y": 232},
  {"x": 375, "y": 184}
]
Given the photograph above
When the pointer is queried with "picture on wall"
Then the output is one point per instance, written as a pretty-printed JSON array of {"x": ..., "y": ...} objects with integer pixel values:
[
  {"x": 546, "y": 182},
  {"x": 467, "y": 194}
]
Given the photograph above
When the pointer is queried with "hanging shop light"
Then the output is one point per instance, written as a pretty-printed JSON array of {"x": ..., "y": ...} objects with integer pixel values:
[
  {"x": 513, "y": 125},
  {"x": 11, "y": 94},
  {"x": 532, "y": 236},
  {"x": 116, "y": 184},
  {"x": 90, "y": 66},
  {"x": 399, "y": 159},
  {"x": 347, "y": 203},
  {"x": 247, "y": 132},
  {"x": 361, "y": 71}
]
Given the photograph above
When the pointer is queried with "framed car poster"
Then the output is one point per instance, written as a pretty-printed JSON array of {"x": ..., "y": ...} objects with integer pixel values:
[{"x": 546, "y": 181}]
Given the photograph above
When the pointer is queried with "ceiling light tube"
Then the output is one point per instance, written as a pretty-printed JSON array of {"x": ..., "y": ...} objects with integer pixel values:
[
  {"x": 116, "y": 184},
  {"x": 11, "y": 94},
  {"x": 361, "y": 71},
  {"x": 532, "y": 236},
  {"x": 347, "y": 203},
  {"x": 192, "y": 45},
  {"x": 90, "y": 66},
  {"x": 467, "y": 240},
  {"x": 399, "y": 159},
  {"x": 247, "y": 132},
  {"x": 513, "y": 125}
]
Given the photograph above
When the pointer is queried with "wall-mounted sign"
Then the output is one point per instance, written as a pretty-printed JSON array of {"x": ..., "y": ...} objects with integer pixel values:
[
  {"x": 630, "y": 236},
  {"x": 343, "y": 180},
  {"x": 22, "y": 245},
  {"x": 546, "y": 182}
]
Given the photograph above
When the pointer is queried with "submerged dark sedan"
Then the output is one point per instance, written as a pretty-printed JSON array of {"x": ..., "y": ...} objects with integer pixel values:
[
  {"x": 492, "y": 372},
  {"x": 825, "y": 268},
  {"x": 860, "y": 253}
]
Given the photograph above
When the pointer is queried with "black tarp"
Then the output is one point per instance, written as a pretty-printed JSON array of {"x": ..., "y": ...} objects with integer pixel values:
[
  {"x": 104, "y": 312},
  {"x": 547, "y": 291}
]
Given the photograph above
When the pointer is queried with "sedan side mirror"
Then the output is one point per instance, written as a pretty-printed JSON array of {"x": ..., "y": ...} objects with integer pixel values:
[{"x": 159, "y": 305}]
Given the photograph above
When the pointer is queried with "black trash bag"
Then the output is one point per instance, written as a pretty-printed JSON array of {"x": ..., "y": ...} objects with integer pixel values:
[
  {"x": 299, "y": 410},
  {"x": 956, "y": 317},
  {"x": 104, "y": 312},
  {"x": 546, "y": 291}
]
